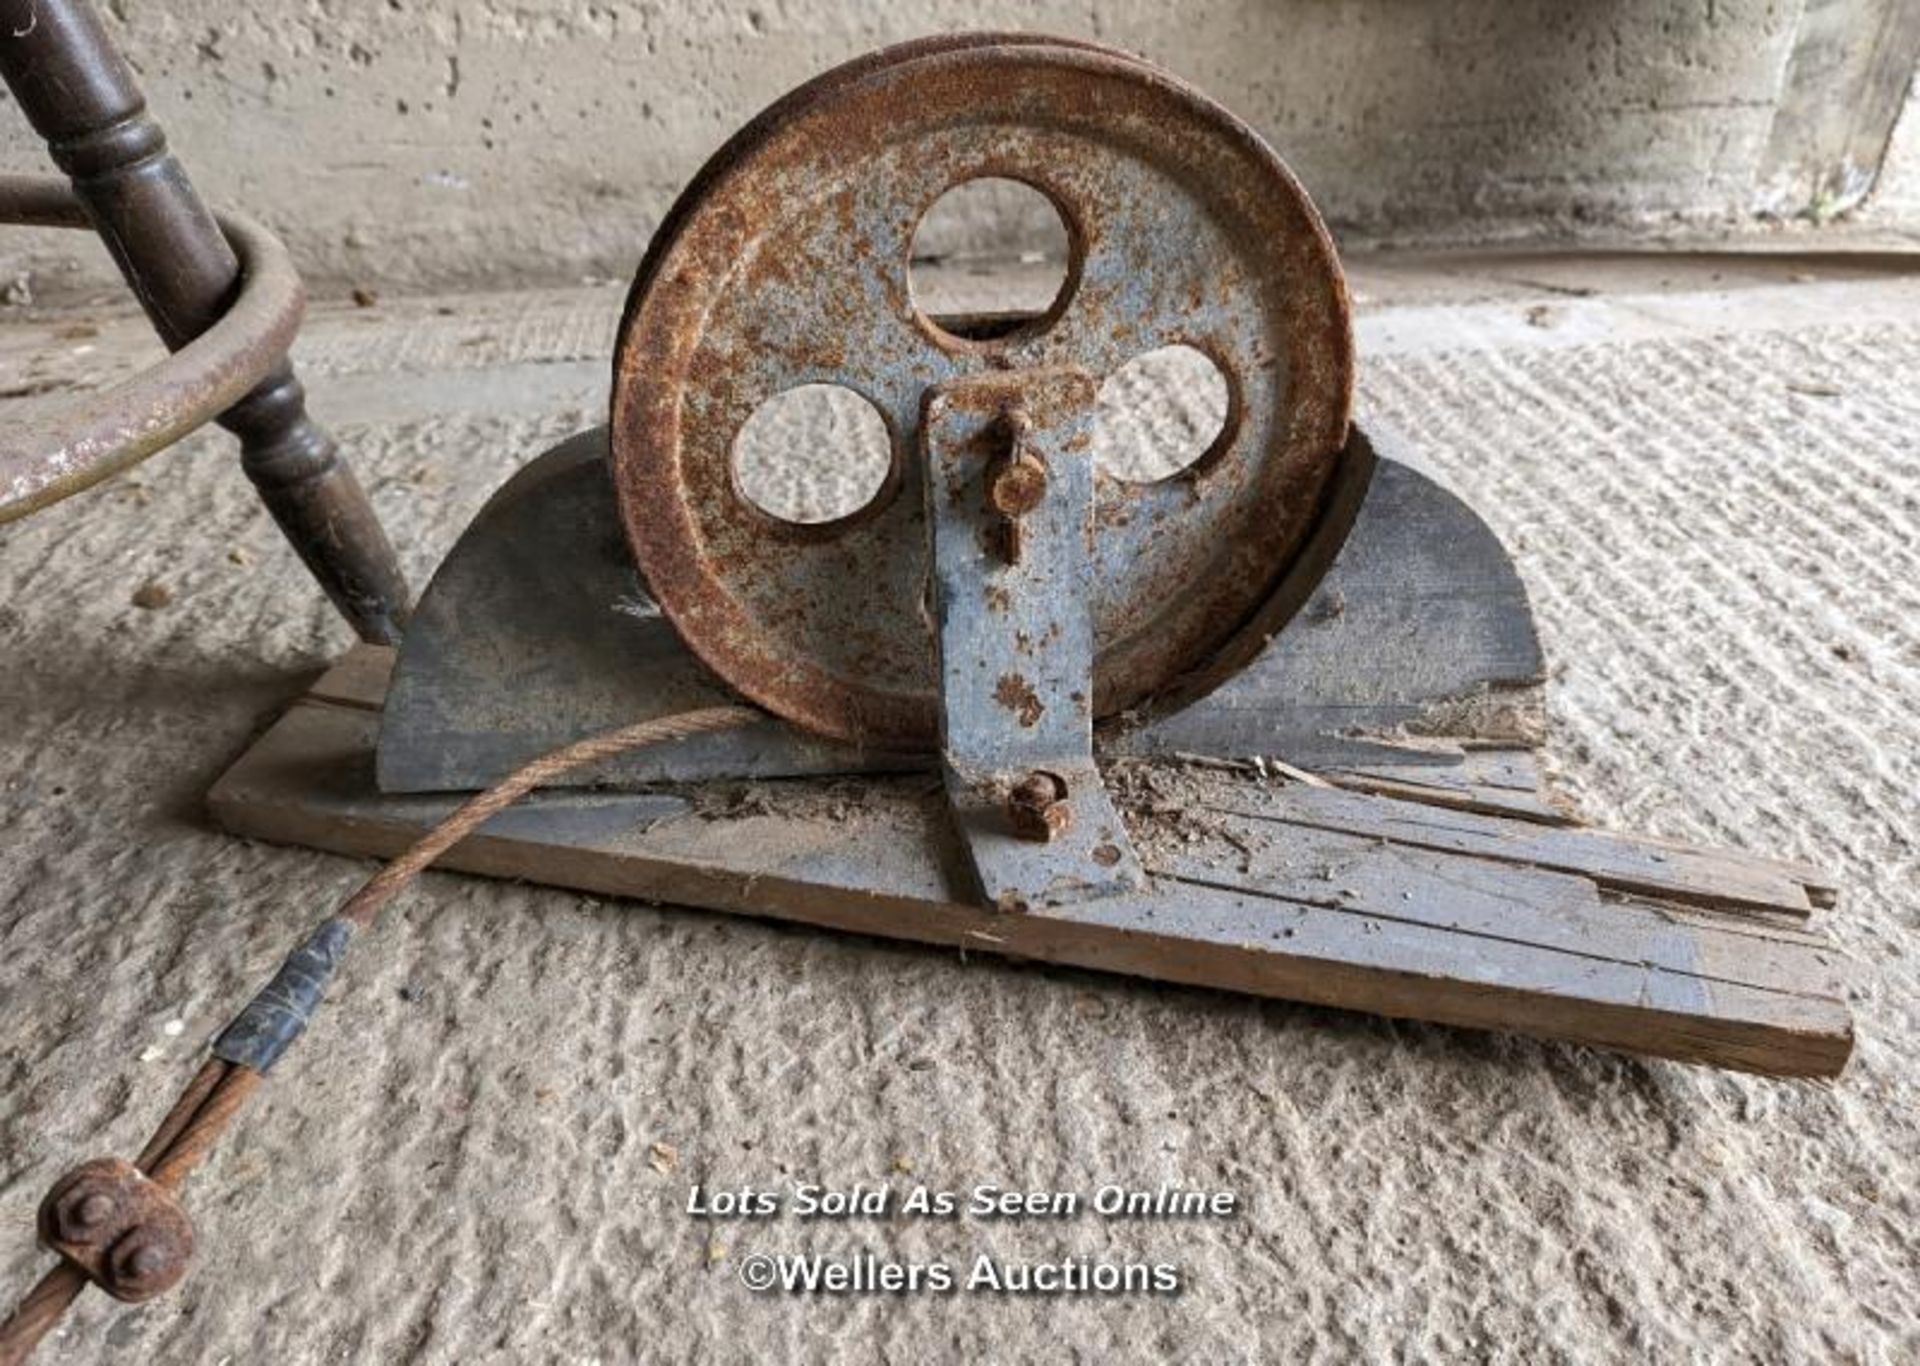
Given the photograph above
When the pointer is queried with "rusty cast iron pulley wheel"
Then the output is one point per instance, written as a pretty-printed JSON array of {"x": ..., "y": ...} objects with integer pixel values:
[{"x": 786, "y": 263}]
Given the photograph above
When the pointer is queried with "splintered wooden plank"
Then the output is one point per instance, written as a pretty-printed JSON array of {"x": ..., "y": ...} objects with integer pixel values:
[
  {"x": 1626, "y": 863},
  {"x": 1684, "y": 948},
  {"x": 1458, "y": 787},
  {"x": 1444, "y": 938},
  {"x": 1513, "y": 770},
  {"x": 1460, "y": 795}
]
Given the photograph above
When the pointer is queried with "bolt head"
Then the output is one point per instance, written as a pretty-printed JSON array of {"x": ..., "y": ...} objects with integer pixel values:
[
  {"x": 1037, "y": 807},
  {"x": 143, "y": 1263},
  {"x": 146, "y": 1261},
  {"x": 84, "y": 1214},
  {"x": 1017, "y": 486}
]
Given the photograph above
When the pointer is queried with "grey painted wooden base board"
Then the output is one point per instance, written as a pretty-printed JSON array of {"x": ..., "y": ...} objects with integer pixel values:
[{"x": 1287, "y": 890}]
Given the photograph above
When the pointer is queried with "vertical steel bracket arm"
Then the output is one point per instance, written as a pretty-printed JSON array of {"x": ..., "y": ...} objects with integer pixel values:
[
  {"x": 1009, "y": 487},
  {"x": 80, "y": 95}
]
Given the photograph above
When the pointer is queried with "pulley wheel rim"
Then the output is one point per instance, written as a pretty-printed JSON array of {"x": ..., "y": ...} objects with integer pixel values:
[{"x": 786, "y": 263}]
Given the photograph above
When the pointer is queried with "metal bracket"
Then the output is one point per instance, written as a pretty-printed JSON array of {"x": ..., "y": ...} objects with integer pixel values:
[
  {"x": 124, "y": 1231},
  {"x": 1009, "y": 482}
]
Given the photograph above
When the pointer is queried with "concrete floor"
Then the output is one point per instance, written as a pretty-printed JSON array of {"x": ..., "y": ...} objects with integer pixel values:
[{"x": 1710, "y": 475}]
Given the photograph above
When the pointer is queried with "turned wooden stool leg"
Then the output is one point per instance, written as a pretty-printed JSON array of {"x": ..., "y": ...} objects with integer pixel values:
[{"x": 81, "y": 96}]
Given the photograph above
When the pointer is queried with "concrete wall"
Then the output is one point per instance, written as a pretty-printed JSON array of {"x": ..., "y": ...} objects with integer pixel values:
[
  {"x": 1895, "y": 200},
  {"x": 410, "y": 143}
]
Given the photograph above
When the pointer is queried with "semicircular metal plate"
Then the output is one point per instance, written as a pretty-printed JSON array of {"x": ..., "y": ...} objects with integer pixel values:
[{"x": 787, "y": 263}]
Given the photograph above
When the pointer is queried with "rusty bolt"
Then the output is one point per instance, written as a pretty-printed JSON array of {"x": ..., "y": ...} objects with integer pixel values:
[
  {"x": 1037, "y": 806},
  {"x": 150, "y": 1258},
  {"x": 1017, "y": 485},
  {"x": 85, "y": 1211},
  {"x": 93, "y": 1211},
  {"x": 1018, "y": 480}
]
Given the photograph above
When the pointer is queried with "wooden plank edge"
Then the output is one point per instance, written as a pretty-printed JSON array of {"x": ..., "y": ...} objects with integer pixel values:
[
  {"x": 359, "y": 678},
  {"x": 1821, "y": 889}
]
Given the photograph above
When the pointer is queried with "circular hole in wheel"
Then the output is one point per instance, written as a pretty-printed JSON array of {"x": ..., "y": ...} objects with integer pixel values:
[
  {"x": 1160, "y": 414},
  {"x": 813, "y": 455},
  {"x": 991, "y": 259}
]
